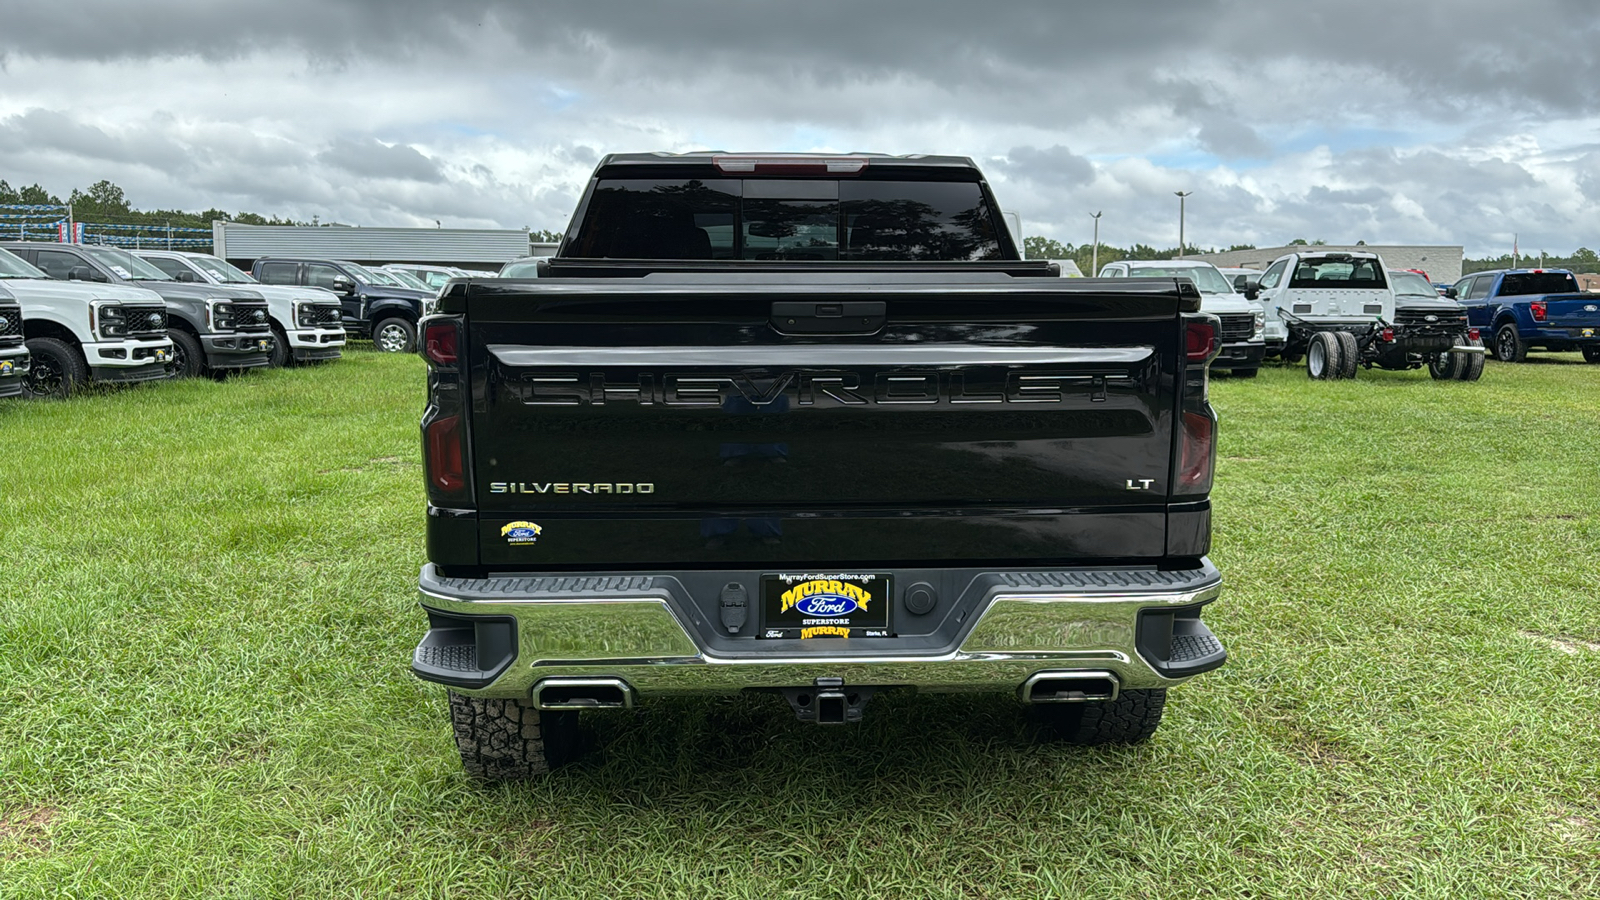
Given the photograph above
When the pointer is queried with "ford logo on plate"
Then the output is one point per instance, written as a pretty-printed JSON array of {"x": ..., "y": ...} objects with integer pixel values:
[{"x": 827, "y": 605}]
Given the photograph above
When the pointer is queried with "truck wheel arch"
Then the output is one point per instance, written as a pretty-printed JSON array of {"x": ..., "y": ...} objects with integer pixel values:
[{"x": 48, "y": 328}]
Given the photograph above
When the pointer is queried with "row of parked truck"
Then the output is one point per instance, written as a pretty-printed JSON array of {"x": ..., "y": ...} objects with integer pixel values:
[
  {"x": 75, "y": 314},
  {"x": 1342, "y": 311}
]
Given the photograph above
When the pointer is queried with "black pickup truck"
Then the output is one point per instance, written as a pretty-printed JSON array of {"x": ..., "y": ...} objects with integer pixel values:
[{"x": 807, "y": 425}]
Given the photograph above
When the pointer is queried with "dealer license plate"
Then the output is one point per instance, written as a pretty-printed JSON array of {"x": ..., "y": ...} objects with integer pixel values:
[{"x": 811, "y": 605}]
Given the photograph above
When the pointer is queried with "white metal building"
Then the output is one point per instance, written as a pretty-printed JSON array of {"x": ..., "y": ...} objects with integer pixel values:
[
  {"x": 1442, "y": 263},
  {"x": 472, "y": 248}
]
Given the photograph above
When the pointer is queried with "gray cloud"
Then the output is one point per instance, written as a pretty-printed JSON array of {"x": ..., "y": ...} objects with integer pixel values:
[
  {"x": 492, "y": 112},
  {"x": 374, "y": 159},
  {"x": 1050, "y": 167}
]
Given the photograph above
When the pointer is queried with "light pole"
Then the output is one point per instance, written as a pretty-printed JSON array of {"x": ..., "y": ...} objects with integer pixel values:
[
  {"x": 1182, "y": 196},
  {"x": 1094, "y": 267}
]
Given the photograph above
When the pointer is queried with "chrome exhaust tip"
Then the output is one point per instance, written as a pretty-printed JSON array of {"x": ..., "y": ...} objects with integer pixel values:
[
  {"x": 1069, "y": 687},
  {"x": 583, "y": 693}
]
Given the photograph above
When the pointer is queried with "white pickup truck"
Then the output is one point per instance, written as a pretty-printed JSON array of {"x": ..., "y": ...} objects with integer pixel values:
[
  {"x": 305, "y": 320},
  {"x": 1338, "y": 308},
  {"x": 86, "y": 331},
  {"x": 13, "y": 352},
  {"x": 1243, "y": 343}
]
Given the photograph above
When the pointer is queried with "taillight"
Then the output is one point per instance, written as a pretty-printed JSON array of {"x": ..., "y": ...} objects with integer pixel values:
[
  {"x": 1474, "y": 335},
  {"x": 1198, "y": 453},
  {"x": 1194, "y": 450},
  {"x": 444, "y": 423},
  {"x": 1539, "y": 310},
  {"x": 447, "y": 472},
  {"x": 1388, "y": 335},
  {"x": 440, "y": 340},
  {"x": 1200, "y": 339}
]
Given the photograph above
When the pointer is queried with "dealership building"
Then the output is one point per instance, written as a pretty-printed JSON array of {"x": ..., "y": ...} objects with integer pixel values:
[
  {"x": 468, "y": 248},
  {"x": 1442, "y": 263}
]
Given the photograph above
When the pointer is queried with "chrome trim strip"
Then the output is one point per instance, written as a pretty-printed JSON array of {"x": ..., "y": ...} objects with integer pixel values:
[{"x": 814, "y": 355}]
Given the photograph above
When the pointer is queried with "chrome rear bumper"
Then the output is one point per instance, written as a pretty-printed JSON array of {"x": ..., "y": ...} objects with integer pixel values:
[{"x": 502, "y": 637}]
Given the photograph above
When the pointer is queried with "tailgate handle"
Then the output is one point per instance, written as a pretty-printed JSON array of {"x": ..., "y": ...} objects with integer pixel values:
[{"x": 811, "y": 317}]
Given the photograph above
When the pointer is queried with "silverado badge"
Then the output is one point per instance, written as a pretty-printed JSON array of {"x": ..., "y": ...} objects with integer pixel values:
[{"x": 521, "y": 533}]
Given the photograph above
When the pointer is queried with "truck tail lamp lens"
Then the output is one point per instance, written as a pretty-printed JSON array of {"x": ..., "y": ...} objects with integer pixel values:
[
  {"x": 1539, "y": 310},
  {"x": 1201, "y": 341},
  {"x": 1388, "y": 335},
  {"x": 789, "y": 165},
  {"x": 1197, "y": 454},
  {"x": 447, "y": 472},
  {"x": 441, "y": 342},
  {"x": 1474, "y": 335}
]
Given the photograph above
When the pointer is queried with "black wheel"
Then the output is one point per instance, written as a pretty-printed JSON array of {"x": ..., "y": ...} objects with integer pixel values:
[
  {"x": 1243, "y": 373},
  {"x": 188, "y": 360},
  {"x": 1324, "y": 357},
  {"x": 1349, "y": 354},
  {"x": 394, "y": 336},
  {"x": 511, "y": 738},
  {"x": 281, "y": 356},
  {"x": 1591, "y": 354},
  {"x": 1444, "y": 366},
  {"x": 1508, "y": 345},
  {"x": 1133, "y": 717},
  {"x": 58, "y": 369}
]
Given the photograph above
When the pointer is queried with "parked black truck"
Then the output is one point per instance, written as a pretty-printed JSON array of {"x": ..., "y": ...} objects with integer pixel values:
[
  {"x": 809, "y": 426},
  {"x": 384, "y": 313},
  {"x": 212, "y": 328}
]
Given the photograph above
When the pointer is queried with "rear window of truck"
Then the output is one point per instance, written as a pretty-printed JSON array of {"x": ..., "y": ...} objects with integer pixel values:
[
  {"x": 1519, "y": 284},
  {"x": 1336, "y": 272},
  {"x": 775, "y": 219}
]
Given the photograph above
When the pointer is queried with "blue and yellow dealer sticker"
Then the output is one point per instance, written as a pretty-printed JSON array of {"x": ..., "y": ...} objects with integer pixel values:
[
  {"x": 521, "y": 533},
  {"x": 6, "y": 367}
]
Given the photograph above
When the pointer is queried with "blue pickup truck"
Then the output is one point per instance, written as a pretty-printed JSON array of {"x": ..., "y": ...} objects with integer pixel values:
[{"x": 1521, "y": 309}]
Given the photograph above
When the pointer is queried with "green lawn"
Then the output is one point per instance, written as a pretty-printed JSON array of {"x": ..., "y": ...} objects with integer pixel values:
[{"x": 207, "y": 610}]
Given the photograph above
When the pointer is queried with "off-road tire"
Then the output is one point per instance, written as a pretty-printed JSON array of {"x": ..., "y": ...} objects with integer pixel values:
[
  {"x": 1349, "y": 353},
  {"x": 58, "y": 370},
  {"x": 1133, "y": 717},
  {"x": 507, "y": 739},
  {"x": 1243, "y": 373},
  {"x": 1591, "y": 353},
  {"x": 189, "y": 359},
  {"x": 1508, "y": 345},
  {"x": 281, "y": 355},
  {"x": 394, "y": 335},
  {"x": 1324, "y": 357}
]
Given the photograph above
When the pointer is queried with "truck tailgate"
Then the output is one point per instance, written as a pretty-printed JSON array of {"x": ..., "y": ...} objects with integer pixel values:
[
  {"x": 641, "y": 423},
  {"x": 1573, "y": 310}
]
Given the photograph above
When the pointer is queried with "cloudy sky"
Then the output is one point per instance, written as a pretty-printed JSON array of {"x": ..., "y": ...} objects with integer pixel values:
[{"x": 1449, "y": 121}]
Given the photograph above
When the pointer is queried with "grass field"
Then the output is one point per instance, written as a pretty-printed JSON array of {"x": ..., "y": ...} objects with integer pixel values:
[{"x": 207, "y": 610}]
